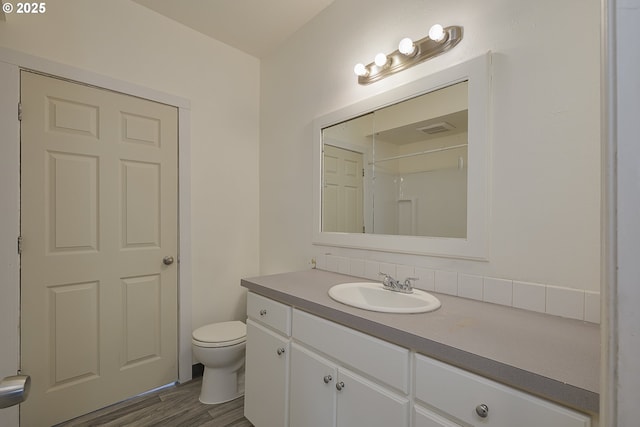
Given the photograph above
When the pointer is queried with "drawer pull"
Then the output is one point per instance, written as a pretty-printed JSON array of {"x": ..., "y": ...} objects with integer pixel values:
[
  {"x": 482, "y": 410},
  {"x": 280, "y": 351},
  {"x": 340, "y": 386},
  {"x": 263, "y": 312},
  {"x": 327, "y": 379}
]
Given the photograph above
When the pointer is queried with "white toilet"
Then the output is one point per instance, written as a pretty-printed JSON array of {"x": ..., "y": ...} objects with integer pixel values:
[{"x": 220, "y": 348}]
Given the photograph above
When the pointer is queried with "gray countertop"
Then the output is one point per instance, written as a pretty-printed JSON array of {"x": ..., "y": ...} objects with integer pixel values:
[{"x": 554, "y": 358}]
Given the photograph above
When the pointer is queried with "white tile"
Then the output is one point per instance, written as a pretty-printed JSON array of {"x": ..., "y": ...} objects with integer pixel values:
[
  {"x": 426, "y": 279},
  {"x": 332, "y": 263},
  {"x": 371, "y": 270},
  {"x": 389, "y": 269},
  {"x": 565, "y": 302},
  {"x": 446, "y": 282},
  {"x": 554, "y": 300},
  {"x": 344, "y": 266},
  {"x": 470, "y": 286},
  {"x": 357, "y": 268},
  {"x": 404, "y": 271},
  {"x": 529, "y": 296},
  {"x": 498, "y": 291},
  {"x": 592, "y": 306}
]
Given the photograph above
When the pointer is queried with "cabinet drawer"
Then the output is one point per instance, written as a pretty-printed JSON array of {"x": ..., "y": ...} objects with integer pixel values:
[
  {"x": 269, "y": 312},
  {"x": 384, "y": 361},
  {"x": 458, "y": 393}
]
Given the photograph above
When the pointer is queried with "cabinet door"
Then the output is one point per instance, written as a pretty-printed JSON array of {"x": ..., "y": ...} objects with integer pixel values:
[
  {"x": 422, "y": 417},
  {"x": 363, "y": 403},
  {"x": 312, "y": 389},
  {"x": 267, "y": 377}
]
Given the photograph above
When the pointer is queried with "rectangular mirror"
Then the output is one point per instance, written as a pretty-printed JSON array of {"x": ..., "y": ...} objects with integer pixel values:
[
  {"x": 407, "y": 161},
  {"x": 406, "y": 171}
]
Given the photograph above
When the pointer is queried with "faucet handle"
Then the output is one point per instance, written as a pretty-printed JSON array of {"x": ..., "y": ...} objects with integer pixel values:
[
  {"x": 388, "y": 281},
  {"x": 386, "y": 277},
  {"x": 408, "y": 280}
]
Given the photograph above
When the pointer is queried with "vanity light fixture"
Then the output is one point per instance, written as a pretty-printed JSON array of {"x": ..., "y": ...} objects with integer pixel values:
[
  {"x": 436, "y": 33},
  {"x": 360, "y": 70},
  {"x": 381, "y": 60},
  {"x": 409, "y": 53},
  {"x": 407, "y": 47}
]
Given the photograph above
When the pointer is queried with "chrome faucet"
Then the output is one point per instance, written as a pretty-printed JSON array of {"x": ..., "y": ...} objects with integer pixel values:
[{"x": 394, "y": 285}]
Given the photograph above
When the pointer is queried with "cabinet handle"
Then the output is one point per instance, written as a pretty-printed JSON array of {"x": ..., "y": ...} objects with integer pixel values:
[
  {"x": 327, "y": 379},
  {"x": 263, "y": 312},
  {"x": 280, "y": 351},
  {"x": 340, "y": 386},
  {"x": 482, "y": 410}
]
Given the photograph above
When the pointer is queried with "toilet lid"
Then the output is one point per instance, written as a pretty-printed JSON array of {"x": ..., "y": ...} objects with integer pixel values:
[{"x": 223, "y": 333}]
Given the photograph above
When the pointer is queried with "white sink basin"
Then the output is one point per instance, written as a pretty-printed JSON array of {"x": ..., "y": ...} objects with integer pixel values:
[{"x": 373, "y": 297}]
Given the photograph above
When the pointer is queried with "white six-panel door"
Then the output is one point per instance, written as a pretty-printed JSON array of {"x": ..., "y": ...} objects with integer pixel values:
[
  {"x": 98, "y": 216},
  {"x": 342, "y": 195}
]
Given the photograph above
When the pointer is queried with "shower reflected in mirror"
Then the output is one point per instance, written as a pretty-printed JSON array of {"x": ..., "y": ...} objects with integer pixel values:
[{"x": 401, "y": 169}]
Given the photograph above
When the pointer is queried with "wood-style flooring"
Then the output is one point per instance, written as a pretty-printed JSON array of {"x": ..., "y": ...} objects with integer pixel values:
[{"x": 171, "y": 407}]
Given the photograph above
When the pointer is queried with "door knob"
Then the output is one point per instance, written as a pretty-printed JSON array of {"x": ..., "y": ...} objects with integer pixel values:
[
  {"x": 168, "y": 260},
  {"x": 14, "y": 390},
  {"x": 339, "y": 386}
]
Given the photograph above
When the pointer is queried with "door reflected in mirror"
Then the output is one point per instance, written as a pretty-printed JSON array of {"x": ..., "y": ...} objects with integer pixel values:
[{"x": 401, "y": 169}]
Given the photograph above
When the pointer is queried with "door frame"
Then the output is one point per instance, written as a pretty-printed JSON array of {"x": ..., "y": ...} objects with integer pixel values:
[{"x": 11, "y": 62}]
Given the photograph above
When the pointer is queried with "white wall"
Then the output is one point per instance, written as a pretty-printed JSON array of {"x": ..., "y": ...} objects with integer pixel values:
[
  {"x": 125, "y": 41},
  {"x": 545, "y": 158}
]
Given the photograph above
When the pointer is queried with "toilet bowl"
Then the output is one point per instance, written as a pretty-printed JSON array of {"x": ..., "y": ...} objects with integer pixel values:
[{"x": 220, "y": 348}]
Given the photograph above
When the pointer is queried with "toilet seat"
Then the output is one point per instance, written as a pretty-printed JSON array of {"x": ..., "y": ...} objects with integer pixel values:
[{"x": 221, "y": 334}]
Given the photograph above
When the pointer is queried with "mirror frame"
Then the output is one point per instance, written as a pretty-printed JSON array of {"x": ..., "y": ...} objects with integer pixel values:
[{"x": 477, "y": 72}]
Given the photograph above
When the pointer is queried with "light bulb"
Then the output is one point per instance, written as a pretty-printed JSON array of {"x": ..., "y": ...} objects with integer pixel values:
[
  {"x": 406, "y": 46},
  {"x": 380, "y": 59},
  {"x": 436, "y": 33},
  {"x": 360, "y": 70}
]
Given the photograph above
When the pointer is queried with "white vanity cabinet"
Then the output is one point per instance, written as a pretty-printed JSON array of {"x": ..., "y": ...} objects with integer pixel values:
[
  {"x": 324, "y": 394},
  {"x": 326, "y": 390},
  {"x": 306, "y": 371},
  {"x": 267, "y": 362},
  {"x": 478, "y": 401}
]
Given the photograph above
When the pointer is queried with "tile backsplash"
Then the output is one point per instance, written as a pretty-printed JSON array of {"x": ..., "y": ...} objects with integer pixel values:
[{"x": 554, "y": 300}]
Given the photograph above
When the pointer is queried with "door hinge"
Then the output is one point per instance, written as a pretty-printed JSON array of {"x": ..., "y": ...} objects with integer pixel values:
[
  {"x": 19, "y": 111},
  {"x": 19, "y": 245},
  {"x": 363, "y": 172}
]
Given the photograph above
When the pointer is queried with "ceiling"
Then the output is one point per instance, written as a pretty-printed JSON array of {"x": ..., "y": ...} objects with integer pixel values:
[{"x": 252, "y": 26}]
